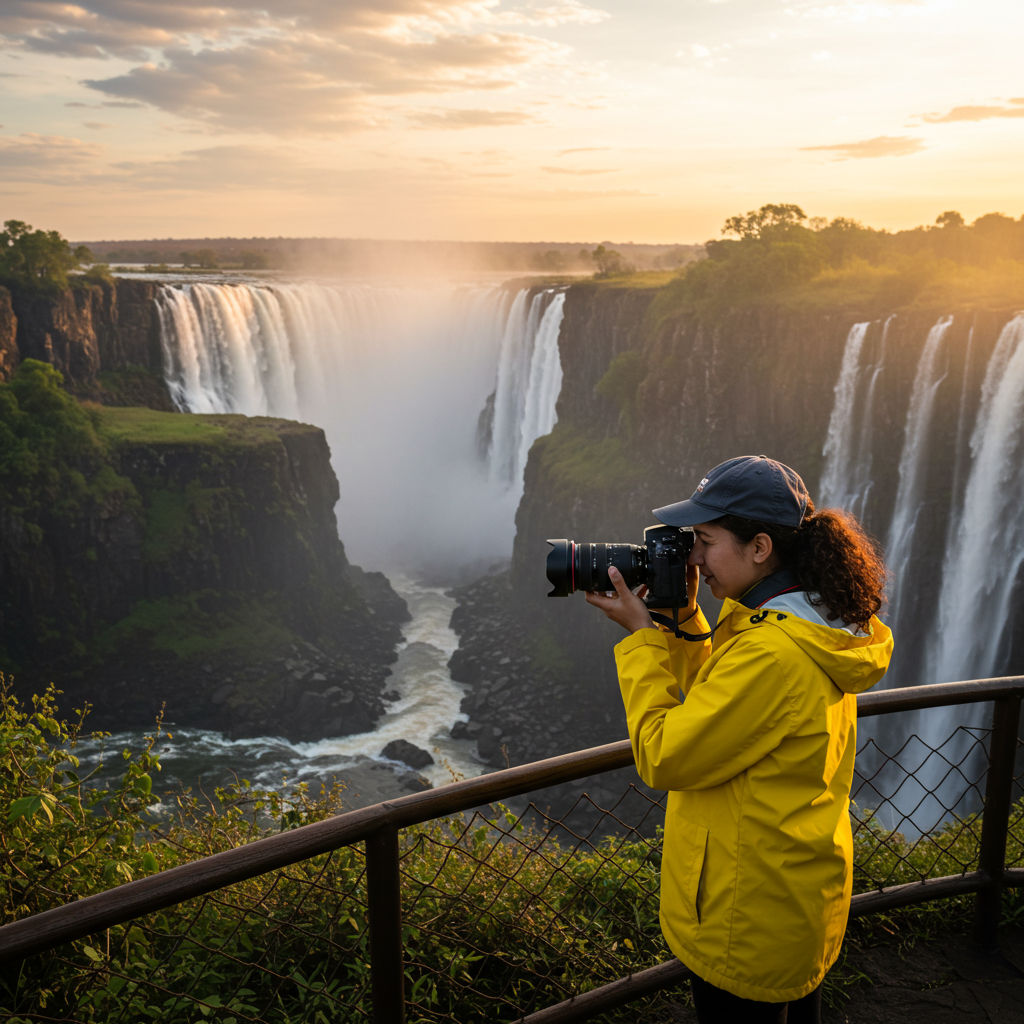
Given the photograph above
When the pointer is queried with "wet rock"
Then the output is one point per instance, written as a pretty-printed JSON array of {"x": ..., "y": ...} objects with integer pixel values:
[
  {"x": 408, "y": 753},
  {"x": 414, "y": 782}
]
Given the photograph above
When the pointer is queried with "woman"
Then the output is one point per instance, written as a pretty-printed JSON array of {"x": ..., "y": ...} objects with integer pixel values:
[{"x": 753, "y": 733}]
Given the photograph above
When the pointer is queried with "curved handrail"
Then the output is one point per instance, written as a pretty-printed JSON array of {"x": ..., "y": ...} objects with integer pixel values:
[{"x": 71, "y": 921}]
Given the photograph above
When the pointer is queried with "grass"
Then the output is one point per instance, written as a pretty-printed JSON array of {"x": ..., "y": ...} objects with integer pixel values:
[
  {"x": 123, "y": 425},
  {"x": 641, "y": 279}
]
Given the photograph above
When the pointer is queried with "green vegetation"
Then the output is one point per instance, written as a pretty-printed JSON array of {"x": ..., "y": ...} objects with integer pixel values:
[
  {"x": 36, "y": 260},
  {"x": 780, "y": 256},
  {"x": 621, "y": 383},
  {"x": 492, "y": 910},
  {"x": 51, "y": 456},
  {"x": 583, "y": 465},
  {"x": 199, "y": 624}
]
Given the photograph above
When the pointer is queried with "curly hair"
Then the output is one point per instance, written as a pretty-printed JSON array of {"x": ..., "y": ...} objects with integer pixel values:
[{"x": 836, "y": 562}]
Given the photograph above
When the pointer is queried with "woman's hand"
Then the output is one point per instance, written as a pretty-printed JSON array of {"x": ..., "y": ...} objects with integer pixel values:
[{"x": 625, "y": 607}]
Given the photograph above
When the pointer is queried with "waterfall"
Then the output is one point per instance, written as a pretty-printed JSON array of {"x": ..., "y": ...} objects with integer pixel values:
[
  {"x": 840, "y": 452},
  {"x": 397, "y": 378},
  {"x": 931, "y": 371},
  {"x": 983, "y": 563},
  {"x": 529, "y": 378}
]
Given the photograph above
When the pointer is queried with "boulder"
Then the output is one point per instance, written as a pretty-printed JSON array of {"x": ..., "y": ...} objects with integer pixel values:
[{"x": 408, "y": 753}]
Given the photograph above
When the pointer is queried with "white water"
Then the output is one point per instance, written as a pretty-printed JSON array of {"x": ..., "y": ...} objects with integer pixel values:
[
  {"x": 838, "y": 477},
  {"x": 397, "y": 378},
  {"x": 426, "y": 710},
  {"x": 528, "y": 382},
  {"x": 931, "y": 371},
  {"x": 984, "y": 560}
]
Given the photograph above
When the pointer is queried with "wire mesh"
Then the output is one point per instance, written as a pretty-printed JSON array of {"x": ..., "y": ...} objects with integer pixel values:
[
  {"x": 504, "y": 912},
  {"x": 287, "y": 946},
  {"x": 916, "y": 812}
]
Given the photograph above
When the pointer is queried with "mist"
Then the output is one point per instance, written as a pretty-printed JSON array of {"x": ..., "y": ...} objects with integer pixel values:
[{"x": 398, "y": 379}]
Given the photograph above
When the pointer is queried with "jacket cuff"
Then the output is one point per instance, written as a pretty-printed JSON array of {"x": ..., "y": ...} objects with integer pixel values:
[{"x": 642, "y": 638}]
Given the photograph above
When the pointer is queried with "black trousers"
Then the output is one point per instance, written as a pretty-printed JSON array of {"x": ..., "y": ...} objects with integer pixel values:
[{"x": 715, "y": 1006}]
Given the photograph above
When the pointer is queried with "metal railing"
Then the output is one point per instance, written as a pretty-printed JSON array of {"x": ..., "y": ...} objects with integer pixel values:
[{"x": 462, "y": 863}]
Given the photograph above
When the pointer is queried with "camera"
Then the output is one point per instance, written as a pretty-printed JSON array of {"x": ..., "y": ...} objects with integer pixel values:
[{"x": 660, "y": 562}]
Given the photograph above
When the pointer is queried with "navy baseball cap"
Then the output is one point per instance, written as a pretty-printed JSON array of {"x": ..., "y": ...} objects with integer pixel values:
[{"x": 752, "y": 486}]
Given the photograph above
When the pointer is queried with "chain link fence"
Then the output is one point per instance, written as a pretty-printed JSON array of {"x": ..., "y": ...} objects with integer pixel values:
[{"x": 503, "y": 913}]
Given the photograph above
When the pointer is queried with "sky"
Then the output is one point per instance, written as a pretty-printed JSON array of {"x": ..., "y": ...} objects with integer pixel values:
[{"x": 518, "y": 120}]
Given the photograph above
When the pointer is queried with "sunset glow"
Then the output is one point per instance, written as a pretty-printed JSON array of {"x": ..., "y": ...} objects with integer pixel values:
[{"x": 644, "y": 120}]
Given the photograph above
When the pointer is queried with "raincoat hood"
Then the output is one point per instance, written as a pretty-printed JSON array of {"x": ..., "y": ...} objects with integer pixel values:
[{"x": 853, "y": 661}]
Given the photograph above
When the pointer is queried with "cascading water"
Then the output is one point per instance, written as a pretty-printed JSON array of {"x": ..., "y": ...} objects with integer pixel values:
[
  {"x": 838, "y": 477},
  {"x": 982, "y": 567},
  {"x": 529, "y": 379},
  {"x": 846, "y": 479},
  {"x": 963, "y": 620},
  {"x": 931, "y": 371},
  {"x": 396, "y": 378}
]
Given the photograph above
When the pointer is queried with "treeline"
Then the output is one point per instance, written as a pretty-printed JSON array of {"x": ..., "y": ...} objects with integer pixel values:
[
  {"x": 385, "y": 256},
  {"x": 778, "y": 247}
]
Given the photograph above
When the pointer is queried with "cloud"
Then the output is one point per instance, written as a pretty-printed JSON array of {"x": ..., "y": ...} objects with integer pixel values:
[
  {"x": 977, "y": 113},
  {"x": 226, "y": 167},
  {"x": 290, "y": 86},
  {"x": 580, "y": 171},
  {"x": 33, "y": 157},
  {"x": 453, "y": 119},
  {"x": 584, "y": 149},
  {"x": 884, "y": 145},
  {"x": 97, "y": 125},
  {"x": 291, "y": 66},
  {"x": 133, "y": 29}
]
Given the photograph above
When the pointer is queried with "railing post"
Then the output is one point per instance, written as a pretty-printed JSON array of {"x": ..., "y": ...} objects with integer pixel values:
[
  {"x": 384, "y": 899},
  {"x": 996, "y": 820}
]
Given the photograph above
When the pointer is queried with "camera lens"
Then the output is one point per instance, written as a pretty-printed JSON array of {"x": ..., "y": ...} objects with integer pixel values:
[{"x": 572, "y": 566}]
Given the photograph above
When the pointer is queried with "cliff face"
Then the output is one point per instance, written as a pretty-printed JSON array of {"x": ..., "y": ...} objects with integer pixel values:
[
  {"x": 203, "y": 569},
  {"x": 691, "y": 392},
  {"x": 104, "y": 338}
]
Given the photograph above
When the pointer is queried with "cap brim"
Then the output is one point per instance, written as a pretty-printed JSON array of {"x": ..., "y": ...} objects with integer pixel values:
[{"x": 687, "y": 513}]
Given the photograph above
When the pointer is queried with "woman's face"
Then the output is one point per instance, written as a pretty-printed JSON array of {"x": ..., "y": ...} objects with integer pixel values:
[{"x": 729, "y": 567}]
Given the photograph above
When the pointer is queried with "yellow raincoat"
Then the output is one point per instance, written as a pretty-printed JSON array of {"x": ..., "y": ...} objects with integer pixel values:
[{"x": 758, "y": 760}]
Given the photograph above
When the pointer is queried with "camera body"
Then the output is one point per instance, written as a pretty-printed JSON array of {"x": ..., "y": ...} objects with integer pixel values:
[{"x": 660, "y": 562}]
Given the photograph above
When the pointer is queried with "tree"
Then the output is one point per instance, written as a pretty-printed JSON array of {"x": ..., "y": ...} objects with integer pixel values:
[
  {"x": 36, "y": 259},
  {"x": 254, "y": 259},
  {"x": 950, "y": 219},
  {"x": 609, "y": 262},
  {"x": 771, "y": 215}
]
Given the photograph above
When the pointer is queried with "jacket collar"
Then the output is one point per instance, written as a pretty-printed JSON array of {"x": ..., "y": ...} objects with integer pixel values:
[{"x": 782, "y": 582}]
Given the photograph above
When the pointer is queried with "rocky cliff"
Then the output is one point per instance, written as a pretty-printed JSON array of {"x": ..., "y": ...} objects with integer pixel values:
[
  {"x": 652, "y": 397},
  {"x": 186, "y": 560},
  {"x": 104, "y": 338}
]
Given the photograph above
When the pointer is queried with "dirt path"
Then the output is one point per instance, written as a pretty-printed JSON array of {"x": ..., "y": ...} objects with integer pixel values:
[{"x": 947, "y": 981}]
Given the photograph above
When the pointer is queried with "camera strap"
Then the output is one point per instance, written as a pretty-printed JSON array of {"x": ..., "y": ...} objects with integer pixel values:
[{"x": 782, "y": 582}]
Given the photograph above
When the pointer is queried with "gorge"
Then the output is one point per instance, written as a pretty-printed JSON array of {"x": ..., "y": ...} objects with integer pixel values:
[{"x": 576, "y": 409}]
